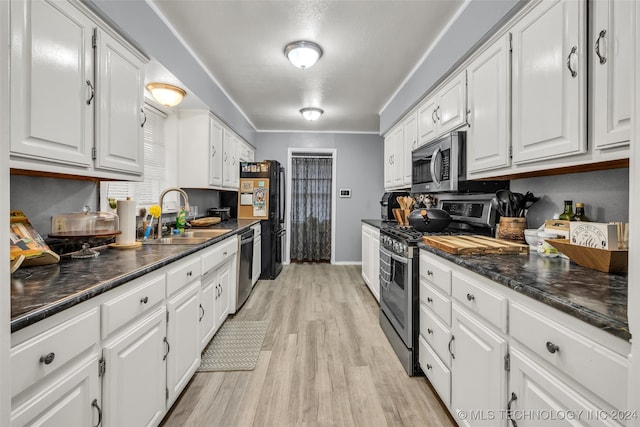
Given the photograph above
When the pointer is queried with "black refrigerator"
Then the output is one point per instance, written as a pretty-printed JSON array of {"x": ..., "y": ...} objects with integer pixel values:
[{"x": 261, "y": 196}]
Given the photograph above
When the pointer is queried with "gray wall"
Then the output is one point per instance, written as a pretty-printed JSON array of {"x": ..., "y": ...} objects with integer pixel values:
[
  {"x": 141, "y": 25},
  {"x": 359, "y": 167},
  {"x": 605, "y": 194},
  {"x": 479, "y": 20},
  {"x": 41, "y": 198}
]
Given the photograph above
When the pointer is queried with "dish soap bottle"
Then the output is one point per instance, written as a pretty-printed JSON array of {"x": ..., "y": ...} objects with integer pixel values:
[
  {"x": 181, "y": 220},
  {"x": 568, "y": 210},
  {"x": 580, "y": 216}
]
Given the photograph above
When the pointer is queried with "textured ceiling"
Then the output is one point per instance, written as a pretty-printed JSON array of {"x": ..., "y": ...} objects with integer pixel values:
[{"x": 370, "y": 47}]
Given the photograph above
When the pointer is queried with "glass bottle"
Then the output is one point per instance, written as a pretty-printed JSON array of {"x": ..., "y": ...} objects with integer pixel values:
[
  {"x": 568, "y": 210},
  {"x": 580, "y": 216}
]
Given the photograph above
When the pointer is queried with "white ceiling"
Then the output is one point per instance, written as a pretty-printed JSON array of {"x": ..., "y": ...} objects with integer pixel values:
[{"x": 370, "y": 47}]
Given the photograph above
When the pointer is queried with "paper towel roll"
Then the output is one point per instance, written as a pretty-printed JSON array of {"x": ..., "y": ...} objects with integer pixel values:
[{"x": 126, "y": 210}]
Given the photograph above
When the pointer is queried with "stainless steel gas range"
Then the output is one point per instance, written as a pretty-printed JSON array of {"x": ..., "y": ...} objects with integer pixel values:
[{"x": 399, "y": 274}]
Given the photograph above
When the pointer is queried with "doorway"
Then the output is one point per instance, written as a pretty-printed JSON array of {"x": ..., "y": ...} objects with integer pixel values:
[{"x": 312, "y": 209}]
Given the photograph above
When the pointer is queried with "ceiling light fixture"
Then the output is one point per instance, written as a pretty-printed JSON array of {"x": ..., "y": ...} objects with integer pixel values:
[
  {"x": 303, "y": 54},
  {"x": 311, "y": 113},
  {"x": 166, "y": 94}
]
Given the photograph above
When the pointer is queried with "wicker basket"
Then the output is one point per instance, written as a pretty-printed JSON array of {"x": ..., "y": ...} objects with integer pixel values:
[{"x": 608, "y": 261}]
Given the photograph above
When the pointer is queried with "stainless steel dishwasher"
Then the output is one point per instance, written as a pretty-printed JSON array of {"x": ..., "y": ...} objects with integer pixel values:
[{"x": 245, "y": 270}]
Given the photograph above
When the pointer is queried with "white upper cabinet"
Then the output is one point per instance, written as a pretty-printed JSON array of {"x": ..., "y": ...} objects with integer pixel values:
[
  {"x": 489, "y": 98},
  {"x": 76, "y": 93},
  {"x": 51, "y": 82},
  {"x": 388, "y": 161},
  {"x": 119, "y": 115},
  {"x": 394, "y": 158},
  {"x": 549, "y": 82},
  {"x": 444, "y": 111},
  {"x": 216, "y": 136},
  {"x": 410, "y": 137},
  {"x": 611, "y": 67},
  {"x": 231, "y": 165}
]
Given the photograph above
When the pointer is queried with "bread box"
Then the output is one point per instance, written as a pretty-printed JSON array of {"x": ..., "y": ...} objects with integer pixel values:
[{"x": 84, "y": 224}]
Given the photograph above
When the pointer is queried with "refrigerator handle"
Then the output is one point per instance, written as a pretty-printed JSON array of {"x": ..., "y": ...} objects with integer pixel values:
[{"x": 283, "y": 195}]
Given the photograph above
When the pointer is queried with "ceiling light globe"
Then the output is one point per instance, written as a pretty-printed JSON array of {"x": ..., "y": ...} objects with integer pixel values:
[
  {"x": 303, "y": 54},
  {"x": 311, "y": 113},
  {"x": 165, "y": 94}
]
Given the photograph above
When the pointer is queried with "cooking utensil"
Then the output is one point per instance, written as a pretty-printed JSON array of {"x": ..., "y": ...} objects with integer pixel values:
[
  {"x": 504, "y": 198},
  {"x": 429, "y": 220}
]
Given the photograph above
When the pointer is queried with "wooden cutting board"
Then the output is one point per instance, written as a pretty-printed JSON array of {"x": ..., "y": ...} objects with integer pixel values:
[
  {"x": 204, "y": 222},
  {"x": 475, "y": 245}
]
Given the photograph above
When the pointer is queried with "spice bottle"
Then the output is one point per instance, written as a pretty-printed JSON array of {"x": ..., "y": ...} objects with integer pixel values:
[
  {"x": 568, "y": 210},
  {"x": 580, "y": 216}
]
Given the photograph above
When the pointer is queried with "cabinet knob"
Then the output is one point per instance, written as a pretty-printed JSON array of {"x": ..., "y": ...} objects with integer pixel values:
[
  {"x": 429, "y": 366},
  {"x": 429, "y": 299},
  {"x": 189, "y": 273},
  {"x": 429, "y": 331},
  {"x": 470, "y": 297},
  {"x": 552, "y": 348},
  {"x": 429, "y": 273},
  {"x": 144, "y": 300},
  {"x": 47, "y": 359}
]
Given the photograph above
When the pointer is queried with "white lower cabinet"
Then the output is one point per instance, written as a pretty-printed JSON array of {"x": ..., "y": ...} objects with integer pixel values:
[
  {"x": 226, "y": 277},
  {"x": 73, "y": 400},
  {"x": 207, "y": 310},
  {"x": 371, "y": 259},
  {"x": 256, "y": 267},
  {"x": 134, "y": 384}
]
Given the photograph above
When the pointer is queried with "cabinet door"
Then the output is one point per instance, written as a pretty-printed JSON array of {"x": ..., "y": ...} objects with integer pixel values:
[
  {"x": 489, "y": 137},
  {"x": 451, "y": 111},
  {"x": 235, "y": 162},
  {"x": 51, "y": 73},
  {"x": 427, "y": 122},
  {"x": 183, "y": 334},
  {"x": 120, "y": 117},
  {"x": 134, "y": 384},
  {"x": 536, "y": 390},
  {"x": 478, "y": 377},
  {"x": 549, "y": 82},
  {"x": 410, "y": 136},
  {"x": 227, "y": 158},
  {"x": 216, "y": 137},
  {"x": 388, "y": 161},
  {"x": 612, "y": 65},
  {"x": 375, "y": 264},
  {"x": 207, "y": 308},
  {"x": 257, "y": 261},
  {"x": 223, "y": 299},
  {"x": 71, "y": 401},
  {"x": 398, "y": 157},
  {"x": 366, "y": 254}
]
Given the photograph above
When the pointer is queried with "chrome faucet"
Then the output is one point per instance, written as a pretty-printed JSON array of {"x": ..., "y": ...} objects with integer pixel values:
[{"x": 186, "y": 205}]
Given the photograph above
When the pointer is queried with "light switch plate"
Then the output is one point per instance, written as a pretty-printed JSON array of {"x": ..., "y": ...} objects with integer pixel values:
[{"x": 345, "y": 192}]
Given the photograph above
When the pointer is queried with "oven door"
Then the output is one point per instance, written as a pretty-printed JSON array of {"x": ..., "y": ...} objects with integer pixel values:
[{"x": 395, "y": 293}]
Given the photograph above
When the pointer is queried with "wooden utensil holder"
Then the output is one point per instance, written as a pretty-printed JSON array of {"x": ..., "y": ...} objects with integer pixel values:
[{"x": 512, "y": 228}]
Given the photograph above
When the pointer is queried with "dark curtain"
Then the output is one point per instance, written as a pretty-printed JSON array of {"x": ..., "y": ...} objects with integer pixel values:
[{"x": 311, "y": 209}]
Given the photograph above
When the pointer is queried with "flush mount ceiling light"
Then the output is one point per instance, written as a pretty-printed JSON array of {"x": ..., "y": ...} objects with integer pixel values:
[
  {"x": 166, "y": 94},
  {"x": 311, "y": 113},
  {"x": 303, "y": 54}
]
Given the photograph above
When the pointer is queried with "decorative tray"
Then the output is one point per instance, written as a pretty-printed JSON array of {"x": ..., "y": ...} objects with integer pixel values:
[{"x": 605, "y": 260}]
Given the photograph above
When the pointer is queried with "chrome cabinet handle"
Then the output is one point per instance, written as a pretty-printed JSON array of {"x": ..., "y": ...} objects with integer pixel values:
[
  {"x": 602, "y": 58},
  {"x": 144, "y": 115},
  {"x": 429, "y": 273},
  {"x": 429, "y": 331},
  {"x": 432, "y": 116},
  {"x": 429, "y": 299},
  {"x": 214, "y": 152},
  {"x": 166, "y": 341},
  {"x": 551, "y": 347},
  {"x": 93, "y": 92},
  {"x": 453, "y": 338},
  {"x": 94, "y": 404},
  {"x": 144, "y": 300},
  {"x": 470, "y": 297},
  {"x": 429, "y": 366},
  {"x": 189, "y": 273},
  {"x": 201, "y": 313},
  {"x": 574, "y": 73},
  {"x": 48, "y": 358},
  {"x": 513, "y": 399}
]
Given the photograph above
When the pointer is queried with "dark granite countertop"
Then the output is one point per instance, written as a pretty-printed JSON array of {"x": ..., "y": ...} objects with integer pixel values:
[
  {"x": 597, "y": 298},
  {"x": 39, "y": 292}
]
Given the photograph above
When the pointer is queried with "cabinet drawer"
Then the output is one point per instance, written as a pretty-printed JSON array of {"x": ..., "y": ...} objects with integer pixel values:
[
  {"x": 43, "y": 354},
  {"x": 436, "y": 301},
  {"x": 435, "y": 333},
  {"x": 436, "y": 372},
  {"x": 435, "y": 273},
  {"x": 143, "y": 296},
  {"x": 185, "y": 272},
  {"x": 481, "y": 300},
  {"x": 218, "y": 253},
  {"x": 594, "y": 366}
]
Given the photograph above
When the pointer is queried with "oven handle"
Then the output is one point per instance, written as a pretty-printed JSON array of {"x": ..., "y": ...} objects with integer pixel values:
[
  {"x": 394, "y": 256},
  {"x": 434, "y": 158}
]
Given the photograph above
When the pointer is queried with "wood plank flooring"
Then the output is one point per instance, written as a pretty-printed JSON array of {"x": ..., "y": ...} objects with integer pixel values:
[{"x": 324, "y": 362}]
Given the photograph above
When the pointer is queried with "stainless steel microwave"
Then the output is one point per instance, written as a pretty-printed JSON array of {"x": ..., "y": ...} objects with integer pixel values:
[{"x": 441, "y": 166}]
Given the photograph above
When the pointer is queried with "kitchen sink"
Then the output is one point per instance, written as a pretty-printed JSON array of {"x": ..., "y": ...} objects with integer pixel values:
[{"x": 177, "y": 240}]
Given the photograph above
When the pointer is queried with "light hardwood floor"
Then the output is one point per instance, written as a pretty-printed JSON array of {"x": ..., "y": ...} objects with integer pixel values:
[{"x": 324, "y": 362}]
